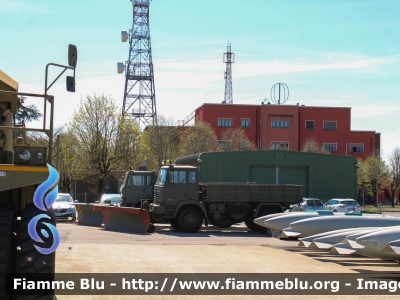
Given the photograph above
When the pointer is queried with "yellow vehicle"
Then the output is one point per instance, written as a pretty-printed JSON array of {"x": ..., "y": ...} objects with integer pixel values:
[{"x": 23, "y": 168}]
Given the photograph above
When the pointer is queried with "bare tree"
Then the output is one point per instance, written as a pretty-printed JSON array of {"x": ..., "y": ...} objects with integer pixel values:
[{"x": 394, "y": 167}]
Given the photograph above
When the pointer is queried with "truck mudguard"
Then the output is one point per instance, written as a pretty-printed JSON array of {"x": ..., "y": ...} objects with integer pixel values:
[{"x": 190, "y": 202}]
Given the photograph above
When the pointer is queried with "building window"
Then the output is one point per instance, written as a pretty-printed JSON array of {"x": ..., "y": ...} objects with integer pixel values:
[
  {"x": 246, "y": 123},
  {"x": 330, "y": 125},
  {"x": 224, "y": 122},
  {"x": 356, "y": 147},
  {"x": 309, "y": 124},
  {"x": 331, "y": 147},
  {"x": 224, "y": 145},
  {"x": 280, "y": 124},
  {"x": 280, "y": 145}
]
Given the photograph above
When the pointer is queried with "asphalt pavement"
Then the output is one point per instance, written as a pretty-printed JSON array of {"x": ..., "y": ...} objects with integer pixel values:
[{"x": 86, "y": 249}]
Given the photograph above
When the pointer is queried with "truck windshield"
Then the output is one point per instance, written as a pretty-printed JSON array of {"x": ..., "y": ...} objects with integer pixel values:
[{"x": 162, "y": 177}]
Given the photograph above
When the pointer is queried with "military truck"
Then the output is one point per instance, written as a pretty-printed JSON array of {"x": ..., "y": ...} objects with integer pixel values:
[
  {"x": 179, "y": 196},
  {"x": 137, "y": 188},
  {"x": 22, "y": 169}
]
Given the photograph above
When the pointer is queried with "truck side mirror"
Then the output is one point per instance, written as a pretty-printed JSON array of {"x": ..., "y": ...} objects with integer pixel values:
[
  {"x": 170, "y": 179},
  {"x": 71, "y": 84},
  {"x": 72, "y": 55}
]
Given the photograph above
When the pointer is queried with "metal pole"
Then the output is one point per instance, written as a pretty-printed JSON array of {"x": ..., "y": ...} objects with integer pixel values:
[
  {"x": 58, "y": 150},
  {"x": 376, "y": 183}
]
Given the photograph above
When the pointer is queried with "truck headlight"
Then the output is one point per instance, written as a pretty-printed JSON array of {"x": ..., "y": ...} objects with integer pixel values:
[{"x": 24, "y": 155}]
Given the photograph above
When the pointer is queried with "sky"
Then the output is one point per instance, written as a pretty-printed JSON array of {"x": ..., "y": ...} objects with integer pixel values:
[{"x": 329, "y": 53}]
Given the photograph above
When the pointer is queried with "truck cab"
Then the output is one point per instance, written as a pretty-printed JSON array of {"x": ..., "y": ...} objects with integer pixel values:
[
  {"x": 137, "y": 188},
  {"x": 176, "y": 186}
]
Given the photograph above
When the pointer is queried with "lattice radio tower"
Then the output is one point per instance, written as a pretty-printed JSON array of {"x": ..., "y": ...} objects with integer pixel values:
[
  {"x": 229, "y": 58},
  {"x": 139, "y": 96}
]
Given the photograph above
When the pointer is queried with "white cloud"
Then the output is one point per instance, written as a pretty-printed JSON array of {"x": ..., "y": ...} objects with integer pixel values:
[
  {"x": 14, "y": 6},
  {"x": 373, "y": 110}
]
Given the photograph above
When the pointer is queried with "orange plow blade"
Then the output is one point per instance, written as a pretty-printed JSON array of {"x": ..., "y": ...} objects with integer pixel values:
[{"x": 127, "y": 219}]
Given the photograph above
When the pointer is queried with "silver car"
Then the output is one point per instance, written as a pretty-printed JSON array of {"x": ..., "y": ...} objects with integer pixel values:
[
  {"x": 343, "y": 205},
  {"x": 63, "y": 208},
  {"x": 309, "y": 204}
]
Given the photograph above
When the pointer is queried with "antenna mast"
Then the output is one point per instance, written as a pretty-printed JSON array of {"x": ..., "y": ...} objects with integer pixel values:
[
  {"x": 229, "y": 58},
  {"x": 139, "y": 95}
]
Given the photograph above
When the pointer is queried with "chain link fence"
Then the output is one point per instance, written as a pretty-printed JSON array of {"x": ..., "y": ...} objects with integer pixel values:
[{"x": 86, "y": 197}]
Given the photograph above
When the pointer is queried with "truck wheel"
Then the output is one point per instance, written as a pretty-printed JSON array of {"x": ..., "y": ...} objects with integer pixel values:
[
  {"x": 172, "y": 222},
  {"x": 221, "y": 222},
  {"x": 28, "y": 259},
  {"x": 238, "y": 212},
  {"x": 189, "y": 219},
  {"x": 151, "y": 228},
  {"x": 264, "y": 212},
  {"x": 251, "y": 225},
  {"x": 6, "y": 244}
]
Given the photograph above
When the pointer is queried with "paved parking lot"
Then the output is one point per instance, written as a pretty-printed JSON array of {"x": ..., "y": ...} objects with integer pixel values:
[{"x": 212, "y": 250}]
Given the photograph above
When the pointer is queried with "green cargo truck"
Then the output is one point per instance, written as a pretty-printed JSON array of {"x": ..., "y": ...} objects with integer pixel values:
[
  {"x": 324, "y": 176},
  {"x": 186, "y": 202}
]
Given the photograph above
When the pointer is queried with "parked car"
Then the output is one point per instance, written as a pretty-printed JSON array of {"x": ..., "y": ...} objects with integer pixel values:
[
  {"x": 110, "y": 199},
  {"x": 308, "y": 204},
  {"x": 343, "y": 205},
  {"x": 63, "y": 208}
]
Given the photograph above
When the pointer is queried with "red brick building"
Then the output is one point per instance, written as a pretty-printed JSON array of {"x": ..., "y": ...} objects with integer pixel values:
[{"x": 272, "y": 126}]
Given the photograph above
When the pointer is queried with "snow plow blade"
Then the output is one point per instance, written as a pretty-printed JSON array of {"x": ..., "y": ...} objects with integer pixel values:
[
  {"x": 127, "y": 219},
  {"x": 87, "y": 216}
]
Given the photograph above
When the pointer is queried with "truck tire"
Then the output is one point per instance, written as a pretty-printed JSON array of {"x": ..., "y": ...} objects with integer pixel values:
[
  {"x": 251, "y": 225},
  {"x": 172, "y": 222},
  {"x": 238, "y": 212},
  {"x": 189, "y": 219},
  {"x": 263, "y": 212},
  {"x": 221, "y": 222},
  {"x": 6, "y": 245},
  {"x": 28, "y": 259}
]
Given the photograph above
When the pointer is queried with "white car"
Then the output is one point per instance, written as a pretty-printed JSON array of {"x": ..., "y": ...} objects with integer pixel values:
[
  {"x": 343, "y": 205},
  {"x": 110, "y": 199},
  {"x": 64, "y": 208},
  {"x": 309, "y": 204}
]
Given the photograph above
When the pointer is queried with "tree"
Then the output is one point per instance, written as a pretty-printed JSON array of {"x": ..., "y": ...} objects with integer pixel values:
[
  {"x": 394, "y": 167},
  {"x": 160, "y": 142},
  {"x": 312, "y": 145},
  {"x": 371, "y": 170},
  {"x": 198, "y": 138},
  {"x": 25, "y": 113},
  {"x": 238, "y": 140},
  {"x": 99, "y": 142}
]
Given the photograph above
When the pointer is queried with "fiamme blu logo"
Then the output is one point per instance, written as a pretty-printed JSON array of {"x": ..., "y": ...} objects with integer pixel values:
[{"x": 44, "y": 197}]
